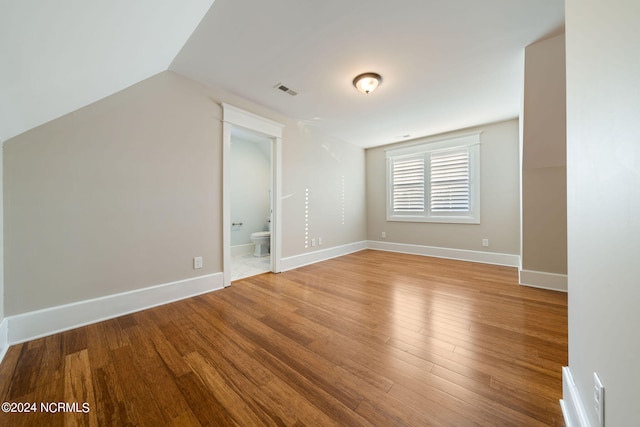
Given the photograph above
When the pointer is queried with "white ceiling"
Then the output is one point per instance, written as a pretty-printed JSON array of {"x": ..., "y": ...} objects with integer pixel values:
[
  {"x": 58, "y": 56},
  {"x": 446, "y": 64}
]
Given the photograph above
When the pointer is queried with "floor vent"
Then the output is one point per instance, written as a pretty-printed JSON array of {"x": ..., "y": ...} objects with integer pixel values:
[{"x": 286, "y": 89}]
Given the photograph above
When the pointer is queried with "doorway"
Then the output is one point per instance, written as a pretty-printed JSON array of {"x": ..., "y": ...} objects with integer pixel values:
[
  {"x": 250, "y": 203},
  {"x": 239, "y": 122}
]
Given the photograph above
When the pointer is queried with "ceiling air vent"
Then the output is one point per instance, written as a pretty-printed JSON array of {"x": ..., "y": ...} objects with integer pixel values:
[{"x": 286, "y": 89}]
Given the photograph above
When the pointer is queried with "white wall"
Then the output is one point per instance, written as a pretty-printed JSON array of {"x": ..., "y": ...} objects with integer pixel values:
[
  {"x": 2, "y": 311},
  {"x": 603, "y": 177},
  {"x": 334, "y": 174},
  {"x": 250, "y": 186},
  {"x": 122, "y": 194},
  {"x": 3, "y": 322},
  {"x": 544, "y": 188},
  {"x": 117, "y": 196},
  {"x": 500, "y": 211}
]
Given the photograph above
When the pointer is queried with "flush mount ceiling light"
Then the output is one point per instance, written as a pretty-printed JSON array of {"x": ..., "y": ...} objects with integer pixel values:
[{"x": 367, "y": 82}]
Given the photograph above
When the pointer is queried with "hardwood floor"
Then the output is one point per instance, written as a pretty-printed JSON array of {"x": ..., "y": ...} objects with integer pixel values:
[{"x": 371, "y": 338}]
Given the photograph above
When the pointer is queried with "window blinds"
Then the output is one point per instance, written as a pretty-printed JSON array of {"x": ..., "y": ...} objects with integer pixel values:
[
  {"x": 435, "y": 181},
  {"x": 408, "y": 185},
  {"x": 450, "y": 189}
]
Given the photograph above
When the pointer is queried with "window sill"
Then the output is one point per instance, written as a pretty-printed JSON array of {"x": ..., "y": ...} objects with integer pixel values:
[{"x": 435, "y": 219}]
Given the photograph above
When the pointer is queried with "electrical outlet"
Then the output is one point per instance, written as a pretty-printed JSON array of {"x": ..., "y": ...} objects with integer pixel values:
[
  {"x": 197, "y": 262},
  {"x": 485, "y": 242},
  {"x": 383, "y": 235},
  {"x": 319, "y": 241},
  {"x": 314, "y": 242},
  {"x": 598, "y": 398}
]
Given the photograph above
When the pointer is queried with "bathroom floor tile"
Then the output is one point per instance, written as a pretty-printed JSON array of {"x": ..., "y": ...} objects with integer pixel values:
[{"x": 248, "y": 265}]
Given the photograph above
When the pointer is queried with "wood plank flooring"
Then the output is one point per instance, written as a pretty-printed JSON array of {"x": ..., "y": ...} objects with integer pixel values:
[{"x": 371, "y": 338}]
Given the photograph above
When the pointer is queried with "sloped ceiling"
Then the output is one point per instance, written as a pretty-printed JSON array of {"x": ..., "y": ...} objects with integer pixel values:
[
  {"x": 58, "y": 56},
  {"x": 445, "y": 64}
]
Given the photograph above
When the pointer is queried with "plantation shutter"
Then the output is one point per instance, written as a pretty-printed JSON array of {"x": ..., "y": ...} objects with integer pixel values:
[
  {"x": 434, "y": 180},
  {"x": 450, "y": 179},
  {"x": 408, "y": 184}
]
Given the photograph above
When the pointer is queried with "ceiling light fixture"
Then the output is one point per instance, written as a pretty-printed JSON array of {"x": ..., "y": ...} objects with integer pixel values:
[{"x": 367, "y": 82}]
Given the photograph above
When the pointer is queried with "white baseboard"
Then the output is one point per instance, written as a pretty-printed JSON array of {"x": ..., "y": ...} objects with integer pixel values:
[
  {"x": 296, "y": 261},
  {"x": 540, "y": 279},
  {"x": 243, "y": 249},
  {"x": 4, "y": 338},
  {"x": 571, "y": 403},
  {"x": 508, "y": 260},
  {"x": 36, "y": 324}
]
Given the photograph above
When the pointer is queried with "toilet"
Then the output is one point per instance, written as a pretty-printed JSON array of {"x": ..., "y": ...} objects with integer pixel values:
[{"x": 262, "y": 240}]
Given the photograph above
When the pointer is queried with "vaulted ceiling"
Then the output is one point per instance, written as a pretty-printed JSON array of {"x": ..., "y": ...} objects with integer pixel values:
[
  {"x": 57, "y": 56},
  {"x": 445, "y": 64}
]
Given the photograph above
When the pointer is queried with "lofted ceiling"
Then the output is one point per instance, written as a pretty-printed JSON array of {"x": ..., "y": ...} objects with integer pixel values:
[
  {"x": 58, "y": 56},
  {"x": 446, "y": 64}
]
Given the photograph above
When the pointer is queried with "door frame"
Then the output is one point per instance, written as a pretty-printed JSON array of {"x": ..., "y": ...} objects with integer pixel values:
[{"x": 236, "y": 117}]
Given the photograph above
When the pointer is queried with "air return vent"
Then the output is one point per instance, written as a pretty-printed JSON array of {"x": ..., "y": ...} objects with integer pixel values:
[{"x": 286, "y": 89}]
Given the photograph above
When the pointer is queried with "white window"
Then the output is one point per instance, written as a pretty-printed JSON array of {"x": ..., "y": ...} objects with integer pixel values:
[{"x": 435, "y": 181}]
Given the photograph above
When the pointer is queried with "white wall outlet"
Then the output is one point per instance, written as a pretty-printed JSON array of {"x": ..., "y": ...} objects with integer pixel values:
[
  {"x": 319, "y": 241},
  {"x": 485, "y": 242},
  {"x": 314, "y": 242},
  {"x": 598, "y": 398},
  {"x": 197, "y": 262},
  {"x": 383, "y": 235}
]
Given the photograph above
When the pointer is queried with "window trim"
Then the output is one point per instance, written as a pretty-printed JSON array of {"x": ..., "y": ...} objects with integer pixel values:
[{"x": 425, "y": 147}]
